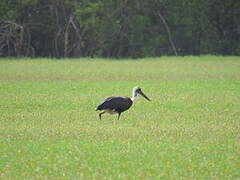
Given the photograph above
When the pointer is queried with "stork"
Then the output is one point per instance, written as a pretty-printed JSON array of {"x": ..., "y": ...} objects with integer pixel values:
[{"x": 119, "y": 104}]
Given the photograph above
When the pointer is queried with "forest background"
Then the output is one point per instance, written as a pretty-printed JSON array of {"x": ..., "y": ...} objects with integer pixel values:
[{"x": 118, "y": 28}]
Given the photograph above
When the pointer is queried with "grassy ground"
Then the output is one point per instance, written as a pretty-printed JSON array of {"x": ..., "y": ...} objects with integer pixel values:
[{"x": 190, "y": 130}]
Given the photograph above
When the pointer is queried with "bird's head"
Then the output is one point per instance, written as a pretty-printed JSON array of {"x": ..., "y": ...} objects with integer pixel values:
[{"x": 138, "y": 90}]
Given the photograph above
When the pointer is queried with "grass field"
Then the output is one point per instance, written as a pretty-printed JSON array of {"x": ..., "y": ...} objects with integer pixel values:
[{"x": 49, "y": 128}]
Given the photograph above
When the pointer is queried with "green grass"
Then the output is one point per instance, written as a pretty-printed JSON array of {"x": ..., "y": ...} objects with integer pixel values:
[{"x": 49, "y": 128}]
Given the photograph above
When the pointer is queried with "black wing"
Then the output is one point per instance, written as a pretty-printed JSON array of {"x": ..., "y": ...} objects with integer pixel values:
[{"x": 118, "y": 103}]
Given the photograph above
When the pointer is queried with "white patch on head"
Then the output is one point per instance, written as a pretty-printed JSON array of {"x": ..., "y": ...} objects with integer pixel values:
[
  {"x": 134, "y": 93},
  {"x": 135, "y": 88}
]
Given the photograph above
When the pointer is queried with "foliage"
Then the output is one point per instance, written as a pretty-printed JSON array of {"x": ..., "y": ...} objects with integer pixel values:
[{"x": 118, "y": 28}]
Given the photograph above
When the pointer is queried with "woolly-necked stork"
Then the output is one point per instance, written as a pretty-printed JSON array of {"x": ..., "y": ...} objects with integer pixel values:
[{"x": 119, "y": 104}]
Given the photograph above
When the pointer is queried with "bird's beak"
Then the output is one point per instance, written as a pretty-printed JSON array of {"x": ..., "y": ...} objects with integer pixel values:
[{"x": 144, "y": 96}]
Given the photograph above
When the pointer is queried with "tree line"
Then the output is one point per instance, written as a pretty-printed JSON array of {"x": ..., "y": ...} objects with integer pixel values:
[{"x": 118, "y": 28}]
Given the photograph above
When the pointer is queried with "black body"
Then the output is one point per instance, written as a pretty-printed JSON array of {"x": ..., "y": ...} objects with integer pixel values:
[{"x": 117, "y": 104}]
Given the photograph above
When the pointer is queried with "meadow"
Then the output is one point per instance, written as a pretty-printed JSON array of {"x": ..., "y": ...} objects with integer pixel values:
[{"x": 49, "y": 128}]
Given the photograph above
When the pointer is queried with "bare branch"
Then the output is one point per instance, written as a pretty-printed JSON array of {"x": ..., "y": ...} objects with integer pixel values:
[{"x": 169, "y": 33}]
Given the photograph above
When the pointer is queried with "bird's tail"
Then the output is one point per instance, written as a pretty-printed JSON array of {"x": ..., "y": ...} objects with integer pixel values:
[{"x": 99, "y": 108}]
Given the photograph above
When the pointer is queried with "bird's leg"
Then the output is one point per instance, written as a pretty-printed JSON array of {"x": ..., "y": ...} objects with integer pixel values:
[
  {"x": 101, "y": 115},
  {"x": 119, "y": 115}
]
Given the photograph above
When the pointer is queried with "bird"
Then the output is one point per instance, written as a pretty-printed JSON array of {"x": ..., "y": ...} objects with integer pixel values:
[{"x": 119, "y": 104}]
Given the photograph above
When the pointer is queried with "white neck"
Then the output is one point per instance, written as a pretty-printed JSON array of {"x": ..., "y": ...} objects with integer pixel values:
[{"x": 134, "y": 96}]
